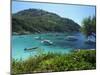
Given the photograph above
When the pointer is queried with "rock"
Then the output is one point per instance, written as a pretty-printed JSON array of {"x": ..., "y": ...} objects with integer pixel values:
[{"x": 90, "y": 41}]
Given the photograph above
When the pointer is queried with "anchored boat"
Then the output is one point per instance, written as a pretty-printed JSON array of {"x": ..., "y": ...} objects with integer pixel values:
[
  {"x": 71, "y": 38},
  {"x": 47, "y": 42},
  {"x": 28, "y": 49}
]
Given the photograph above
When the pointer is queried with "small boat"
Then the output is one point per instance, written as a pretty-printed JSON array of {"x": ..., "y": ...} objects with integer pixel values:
[
  {"x": 71, "y": 38},
  {"x": 37, "y": 38},
  {"x": 47, "y": 42},
  {"x": 27, "y": 49}
]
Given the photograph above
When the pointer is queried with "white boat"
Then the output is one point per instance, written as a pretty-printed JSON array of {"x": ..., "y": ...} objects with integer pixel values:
[
  {"x": 48, "y": 42},
  {"x": 37, "y": 38},
  {"x": 71, "y": 38}
]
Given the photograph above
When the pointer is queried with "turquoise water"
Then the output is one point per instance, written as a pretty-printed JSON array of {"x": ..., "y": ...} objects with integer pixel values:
[{"x": 60, "y": 44}]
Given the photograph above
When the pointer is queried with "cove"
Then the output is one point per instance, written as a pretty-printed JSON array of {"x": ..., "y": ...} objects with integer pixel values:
[{"x": 60, "y": 44}]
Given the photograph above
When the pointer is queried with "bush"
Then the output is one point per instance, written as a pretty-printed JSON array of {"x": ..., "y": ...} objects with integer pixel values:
[{"x": 51, "y": 62}]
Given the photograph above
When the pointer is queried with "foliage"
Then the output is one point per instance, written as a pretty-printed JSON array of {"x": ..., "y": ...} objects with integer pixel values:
[
  {"x": 37, "y": 20},
  {"x": 89, "y": 26},
  {"x": 51, "y": 62}
]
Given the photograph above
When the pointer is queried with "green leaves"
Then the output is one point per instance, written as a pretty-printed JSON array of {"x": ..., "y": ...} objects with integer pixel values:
[
  {"x": 52, "y": 62},
  {"x": 89, "y": 26}
]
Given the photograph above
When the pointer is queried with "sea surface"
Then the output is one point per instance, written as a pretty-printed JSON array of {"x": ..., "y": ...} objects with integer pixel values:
[{"x": 60, "y": 44}]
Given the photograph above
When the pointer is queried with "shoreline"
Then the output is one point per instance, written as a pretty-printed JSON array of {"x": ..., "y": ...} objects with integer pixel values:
[
  {"x": 75, "y": 50},
  {"x": 15, "y": 33}
]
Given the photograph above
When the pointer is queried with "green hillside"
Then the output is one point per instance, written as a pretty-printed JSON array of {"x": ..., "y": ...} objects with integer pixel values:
[{"x": 38, "y": 21}]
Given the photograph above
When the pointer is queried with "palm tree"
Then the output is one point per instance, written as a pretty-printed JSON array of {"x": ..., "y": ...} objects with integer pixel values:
[{"x": 89, "y": 27}]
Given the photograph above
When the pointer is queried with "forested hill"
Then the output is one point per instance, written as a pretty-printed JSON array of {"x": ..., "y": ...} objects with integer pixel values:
[{"x": 37, "y": 20}]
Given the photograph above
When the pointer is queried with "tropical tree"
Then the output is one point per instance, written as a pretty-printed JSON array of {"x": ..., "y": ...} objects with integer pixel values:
[{"x": 89, "y": 26}]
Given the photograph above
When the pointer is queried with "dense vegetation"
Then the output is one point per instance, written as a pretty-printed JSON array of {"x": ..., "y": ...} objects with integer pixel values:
[
  {"x": 37, "y": 20},
  {"x": 78, "y": 60},
  {"x": 89, "y": 26}
]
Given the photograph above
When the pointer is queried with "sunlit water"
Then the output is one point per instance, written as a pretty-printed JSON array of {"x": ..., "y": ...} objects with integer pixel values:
[{"x": 60, "y": 44}]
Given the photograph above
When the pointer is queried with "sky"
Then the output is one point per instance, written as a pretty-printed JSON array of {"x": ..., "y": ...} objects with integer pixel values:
[{"x": 74, "y": 12}]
